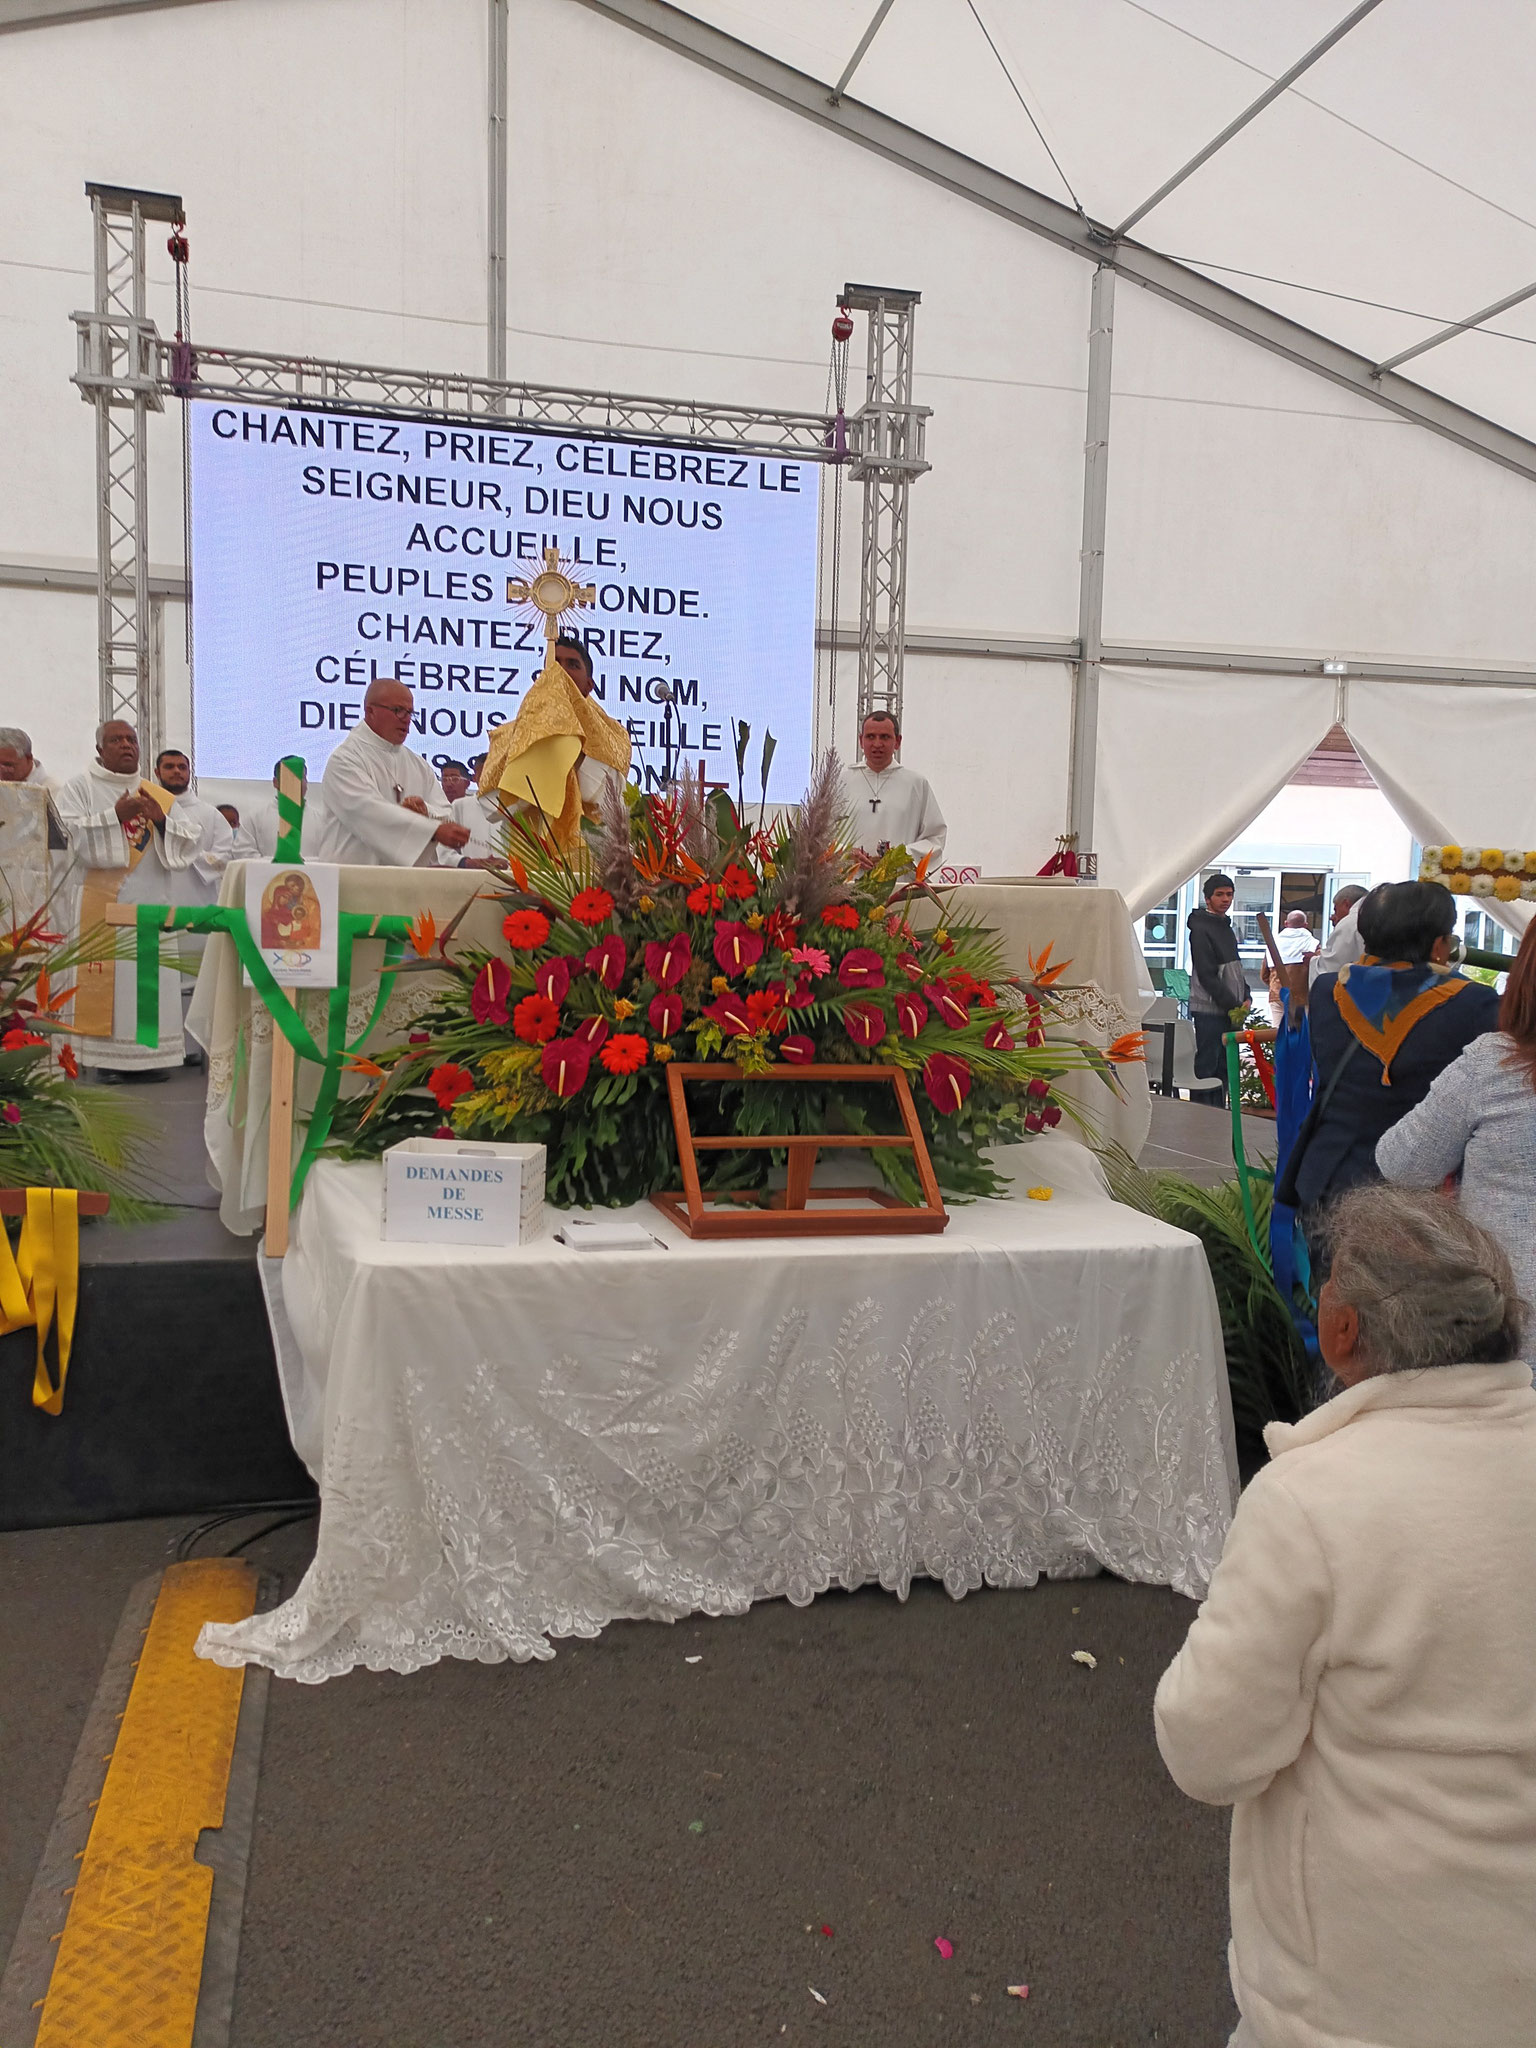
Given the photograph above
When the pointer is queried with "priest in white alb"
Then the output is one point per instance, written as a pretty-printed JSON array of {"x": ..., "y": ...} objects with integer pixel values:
[
  {"x": 886, "y": 804},
  {"x": 130, "y": 844},
  {"x": 383, "y": 806}
]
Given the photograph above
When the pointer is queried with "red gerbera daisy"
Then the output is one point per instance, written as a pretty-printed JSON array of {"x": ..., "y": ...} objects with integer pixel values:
[
  {"x": 525, "y": 929},
  {"x": 592, "y": 906},
  {"x": 706, "y": 897},
  {"x": 739, "y": 882},
  {"x": 536, "y": 1020},
  {"x": 624, "y": 1053},
  {"x": 448, "y": 1082},
  {"x": 841, "y": 916}
]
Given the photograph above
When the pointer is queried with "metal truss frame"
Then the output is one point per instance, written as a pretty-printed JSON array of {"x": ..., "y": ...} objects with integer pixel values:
[
  {"x": 889, "y": 444},
  {"x": 118, "y": 374},
  {"x": 126, "y": 368}
]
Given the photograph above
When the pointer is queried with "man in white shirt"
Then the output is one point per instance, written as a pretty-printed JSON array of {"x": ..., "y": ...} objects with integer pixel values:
[
  {"x": 17, "y": 763},
  {"x": 383, "y": 807},
  {"x": 1343, "y": 945},
  {"x": 129, "y": 846},
  {"x": 1296, "y": 942},
  {"x": 889, "y": 805},
  {"x": 198, "y": 883}
]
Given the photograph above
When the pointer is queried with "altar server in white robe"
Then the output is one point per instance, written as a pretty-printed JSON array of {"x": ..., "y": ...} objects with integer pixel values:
[
  {"x": 18, "y": 763},
  {"x": 198, "y": 885},
  {"x": 129, "y": 846},
  {"x": 256, "y": 834},
  {"x": 480, "y": 815},
  {"x": 383, "y": 806},
  {"x": 886, "y": 804}
]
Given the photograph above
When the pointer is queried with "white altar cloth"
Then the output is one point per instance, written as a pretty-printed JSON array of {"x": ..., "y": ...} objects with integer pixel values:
[{"x": 520, "y": 1444}]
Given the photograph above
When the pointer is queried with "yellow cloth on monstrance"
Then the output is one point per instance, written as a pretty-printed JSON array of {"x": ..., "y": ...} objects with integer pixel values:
[{"x": 534, "y": 758}]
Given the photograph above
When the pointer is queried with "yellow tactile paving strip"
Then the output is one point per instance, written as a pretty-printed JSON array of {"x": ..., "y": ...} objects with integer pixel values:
[{"x": 131, "y": 1955}]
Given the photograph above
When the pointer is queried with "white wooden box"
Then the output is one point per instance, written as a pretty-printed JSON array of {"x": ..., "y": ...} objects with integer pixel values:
[{"x": 453, "y": 1191}]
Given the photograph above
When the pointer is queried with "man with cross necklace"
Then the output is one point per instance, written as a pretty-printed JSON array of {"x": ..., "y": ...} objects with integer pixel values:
[{"x": 886, "y": 804}]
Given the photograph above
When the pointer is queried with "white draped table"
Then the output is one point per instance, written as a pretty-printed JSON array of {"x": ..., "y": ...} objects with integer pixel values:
[{"x": 518, "y": 1445}]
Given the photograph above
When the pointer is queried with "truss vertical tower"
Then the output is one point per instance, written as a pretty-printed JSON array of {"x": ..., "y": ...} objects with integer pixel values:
[
  {"x": 118, "y": 373},
  {"x": 887, "y": 436}
]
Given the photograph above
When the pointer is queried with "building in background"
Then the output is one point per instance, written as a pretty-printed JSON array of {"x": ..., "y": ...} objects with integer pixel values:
[{"x": 1329, "y": 826}]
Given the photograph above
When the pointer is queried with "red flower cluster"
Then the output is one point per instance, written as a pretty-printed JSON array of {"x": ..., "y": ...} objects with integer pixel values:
[
  {"x": 16, "y": 1038},
  {"x": 842, "y": 917},
  {"x": 739, "y": 882}
]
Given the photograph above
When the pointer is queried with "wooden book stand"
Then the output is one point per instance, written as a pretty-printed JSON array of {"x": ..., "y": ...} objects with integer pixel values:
[{"x": 800, "y": 1210}]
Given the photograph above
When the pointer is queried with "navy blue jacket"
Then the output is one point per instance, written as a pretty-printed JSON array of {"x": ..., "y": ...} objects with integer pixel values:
[{"x": 1342, "y": 1152}]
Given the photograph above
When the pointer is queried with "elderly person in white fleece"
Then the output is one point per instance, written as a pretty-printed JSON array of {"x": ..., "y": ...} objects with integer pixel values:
[{"x": 1360, "y": 1685}]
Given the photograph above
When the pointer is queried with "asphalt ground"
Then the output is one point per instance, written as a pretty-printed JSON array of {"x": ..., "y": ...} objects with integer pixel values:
[{"x": 625, "y": 1849}]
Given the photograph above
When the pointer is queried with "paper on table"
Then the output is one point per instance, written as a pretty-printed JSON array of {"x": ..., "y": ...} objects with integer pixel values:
[{"x": 606, "y": 1234}]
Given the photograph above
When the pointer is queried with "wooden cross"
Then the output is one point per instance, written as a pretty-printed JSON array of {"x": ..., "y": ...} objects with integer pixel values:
[{"x": 551, "y": 592}]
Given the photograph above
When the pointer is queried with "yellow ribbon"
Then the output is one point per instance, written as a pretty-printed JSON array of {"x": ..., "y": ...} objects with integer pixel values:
[{"x": 40, "y": 1284}]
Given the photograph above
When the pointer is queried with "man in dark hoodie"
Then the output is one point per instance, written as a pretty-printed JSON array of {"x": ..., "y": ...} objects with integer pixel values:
[{"x": 1218, "y": 987}]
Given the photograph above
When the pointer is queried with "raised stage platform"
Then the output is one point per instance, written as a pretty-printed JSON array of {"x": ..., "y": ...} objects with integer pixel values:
[{"x": 172, "y": 1403}]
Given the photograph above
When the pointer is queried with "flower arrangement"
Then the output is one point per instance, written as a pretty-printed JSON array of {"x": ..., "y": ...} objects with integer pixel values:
[
  {"x": 53, "y": 1133},
  {"x": 1504, "y": 873},
  {"x": 675, "y": 933}
]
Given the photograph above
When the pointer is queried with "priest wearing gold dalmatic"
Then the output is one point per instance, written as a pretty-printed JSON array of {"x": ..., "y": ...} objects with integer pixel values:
[{"x": 562, "y": 748}]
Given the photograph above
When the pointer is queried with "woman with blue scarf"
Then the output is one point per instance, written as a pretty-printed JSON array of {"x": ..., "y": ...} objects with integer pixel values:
[{"x": 1382, "y": 1031}]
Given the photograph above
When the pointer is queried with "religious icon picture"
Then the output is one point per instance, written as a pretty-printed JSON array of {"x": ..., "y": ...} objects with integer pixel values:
[{"x": 294, "y": 915}]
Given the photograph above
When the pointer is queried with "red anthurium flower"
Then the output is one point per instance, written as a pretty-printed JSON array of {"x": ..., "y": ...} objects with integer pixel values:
[
  {"x": 730, "y": 1013},
  {"x": 625, "y": 1053},
  {"x": 765, "y": 1007},
  {"x": 667, "y": 961},
  {"x": 911, "y": 1013},
  {"x": 739, "y": 882},
  {"x": 608, "y": 960},
  {"x": 841, "y": 916},
  {"x": 998, "y": 1038},
  {"x": 948, "y": 1081},
  {"x": 948, "y": 1004},
  {"x": 590, "y": 1033},
  {"x": 910, "y": 966},
  {"x": 553, "y": 979},
  {"x": 488, "y": 997},
  {"x": 448, "y": 1083},
  {"x": 592, "y": 906},
  {"x": 706, "y": 897},
  {"x": 525, "y": 929},
  {"x": 800, "y": 997},
  {"x": 799, "y": 1051},
  {"x": 665, "y": 1015},
  {"x": 864, "y": 1023},
  {"x": 861, "y": 967},
  {"x": 564, "y": 1066},
  {"x": 535, "y": 1020},
  {"x": 735, "y": 946}
]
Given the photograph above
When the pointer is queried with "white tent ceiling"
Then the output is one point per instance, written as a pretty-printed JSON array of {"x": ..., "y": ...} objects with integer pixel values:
[{"x": 683, "y": 212}]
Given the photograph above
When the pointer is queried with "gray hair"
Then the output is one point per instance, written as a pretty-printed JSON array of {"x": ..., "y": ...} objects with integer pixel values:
[
  {"x": 1429, "y": 1285},
  {"x": 101, "y": 729},
  {"x": 13, "y": 737}
]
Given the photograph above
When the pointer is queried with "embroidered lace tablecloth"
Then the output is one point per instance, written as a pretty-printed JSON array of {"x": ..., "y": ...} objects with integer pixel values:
[{"x": 518, "y": 1445}]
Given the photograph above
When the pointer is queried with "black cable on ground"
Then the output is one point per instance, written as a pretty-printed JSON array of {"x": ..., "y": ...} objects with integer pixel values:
[
  {"x": 283, "y": 1522},
  {"x": 189, "y": 1539}
]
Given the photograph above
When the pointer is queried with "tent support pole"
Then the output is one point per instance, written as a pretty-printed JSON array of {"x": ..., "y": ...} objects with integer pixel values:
[
  {"x": 1090, "y": 594},
  {"x": 496, "y": 190}
]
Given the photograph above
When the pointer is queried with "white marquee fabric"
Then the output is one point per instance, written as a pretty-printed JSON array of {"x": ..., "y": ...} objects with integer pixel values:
[
  {"x": 519, "y": 1445},
  {"x": 683, "y": 234}
]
